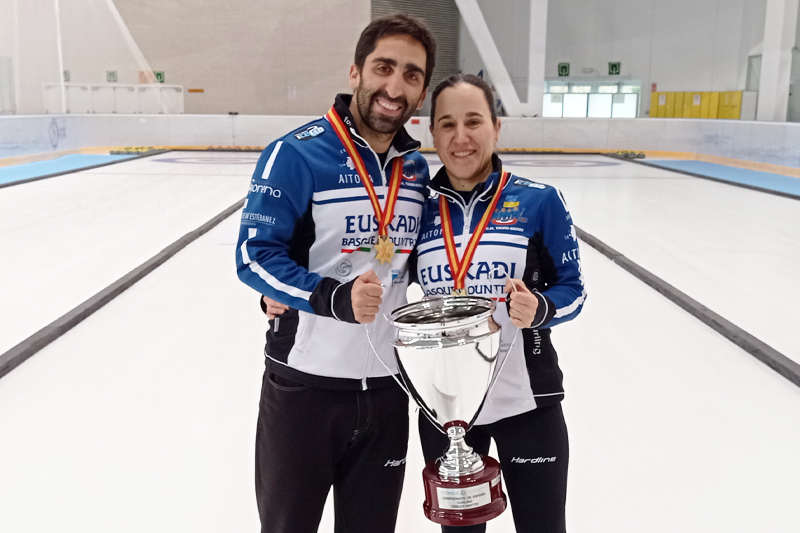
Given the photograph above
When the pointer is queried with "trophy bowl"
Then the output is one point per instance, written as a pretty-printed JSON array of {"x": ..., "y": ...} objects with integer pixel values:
[{"x": 447, "y": 352}]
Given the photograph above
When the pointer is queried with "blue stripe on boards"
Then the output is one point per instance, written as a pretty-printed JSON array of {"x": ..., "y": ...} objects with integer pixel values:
[
  {"x": 752, "y": 178},
  {"x": 64, "y": 163}
]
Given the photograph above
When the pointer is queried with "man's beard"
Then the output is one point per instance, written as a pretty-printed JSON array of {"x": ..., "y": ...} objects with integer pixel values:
[{"x": 365, "y": 100}]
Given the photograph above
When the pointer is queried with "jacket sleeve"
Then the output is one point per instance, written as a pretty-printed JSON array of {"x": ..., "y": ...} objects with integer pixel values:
[
  {"x": 280, "y": 194},
  {"x": 564, "y": 293}
]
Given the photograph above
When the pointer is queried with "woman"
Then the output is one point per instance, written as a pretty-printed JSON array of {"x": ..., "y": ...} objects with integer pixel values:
[{"x": 525, "y": 254}]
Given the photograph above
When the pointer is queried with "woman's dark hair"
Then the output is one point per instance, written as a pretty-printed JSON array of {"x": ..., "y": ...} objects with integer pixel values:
[
  {"x": 397, "y": 24},
  {"x": 471, "y": 79}
]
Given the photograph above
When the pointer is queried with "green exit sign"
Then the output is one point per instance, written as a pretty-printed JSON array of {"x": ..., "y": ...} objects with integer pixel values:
[
  {"x": 159, "y": 76},
  {"x": 563, "y": 69},
  {"x": 614, "y": 69}
]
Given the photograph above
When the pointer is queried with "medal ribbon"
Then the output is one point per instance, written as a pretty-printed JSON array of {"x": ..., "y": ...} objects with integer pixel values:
[
  {"x": 386, "y": 214},
  {"x": 458, "y": 269}
]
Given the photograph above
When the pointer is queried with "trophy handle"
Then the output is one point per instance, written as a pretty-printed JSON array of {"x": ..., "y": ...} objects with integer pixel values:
[{"x": 402, "y": 385}]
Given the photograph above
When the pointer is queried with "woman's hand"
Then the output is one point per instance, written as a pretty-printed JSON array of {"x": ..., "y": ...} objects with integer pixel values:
[
  {"x": 523, "y": 303},
  {"x": 274, "y": 308}
]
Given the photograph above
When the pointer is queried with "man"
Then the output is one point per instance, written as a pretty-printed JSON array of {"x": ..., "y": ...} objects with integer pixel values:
[{"x": 332, "y": 215}]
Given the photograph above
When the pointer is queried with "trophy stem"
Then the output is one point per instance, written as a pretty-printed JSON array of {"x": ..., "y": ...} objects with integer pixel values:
[{"x": 460, "y": 459}]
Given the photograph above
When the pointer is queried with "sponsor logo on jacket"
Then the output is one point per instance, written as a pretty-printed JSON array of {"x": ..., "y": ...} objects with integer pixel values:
[
  {"x": 496, "y": 270},
  {"x": 534, "y": 461},
  {"x": 410, "y": 170},
  {"x": 258, "y": 218},
  {"x": 569, "y": 255},
  {"x": 309, "y": 133},
  {"x": 369, "y": 224},
  {"x": 528, "y": 183},
  {"x": 265, "y": 189}
]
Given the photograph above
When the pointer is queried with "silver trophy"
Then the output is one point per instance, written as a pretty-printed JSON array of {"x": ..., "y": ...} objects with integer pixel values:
[{"x": 447, "y": 352}]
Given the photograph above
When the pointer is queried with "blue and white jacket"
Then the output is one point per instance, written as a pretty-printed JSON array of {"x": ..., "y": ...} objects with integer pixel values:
[
  {"x": 308, "y": 230},
  {"x": 530, "y": 236}
]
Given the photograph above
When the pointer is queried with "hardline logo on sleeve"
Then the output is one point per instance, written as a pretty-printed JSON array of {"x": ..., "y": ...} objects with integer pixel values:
[{"x": 534, "y": 461}]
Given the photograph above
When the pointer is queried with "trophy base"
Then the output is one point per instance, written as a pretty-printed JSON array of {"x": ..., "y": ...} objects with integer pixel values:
[{"x": 464, "y": 501}]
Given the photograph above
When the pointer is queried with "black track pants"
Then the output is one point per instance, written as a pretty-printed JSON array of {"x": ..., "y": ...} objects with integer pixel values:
[
  {"x": 309, "y": 440},
  {"x": 526, "y": 444}
]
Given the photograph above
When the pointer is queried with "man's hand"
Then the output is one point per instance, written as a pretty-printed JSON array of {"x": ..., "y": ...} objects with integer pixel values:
[
  {"x": 523, "y": 303},
  {"x": 366, "y": 297},
  {"x": 274, "y": 308}
]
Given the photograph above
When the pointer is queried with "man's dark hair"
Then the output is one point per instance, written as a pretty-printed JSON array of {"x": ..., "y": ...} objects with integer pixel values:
[
  {"x": 471, "y": 79},
  {"x": 397, "y": 24}
]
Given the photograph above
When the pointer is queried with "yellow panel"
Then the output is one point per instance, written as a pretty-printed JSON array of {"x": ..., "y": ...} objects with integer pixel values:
[
  {"x": 687, "y": 105},
  {"x": 653, "y": 104},
  {"x": 713, "y": 106},
  {"x": 662, "y": 109},
  {"x": 670, "y": 107},
  {"x": 704, "y": 104},
  {"x": 696, "y": 107},
  {"x": 725, "y": 105}
]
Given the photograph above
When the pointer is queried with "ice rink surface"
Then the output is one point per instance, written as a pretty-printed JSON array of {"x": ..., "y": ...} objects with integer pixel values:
[{"x": 142, "y": 418}]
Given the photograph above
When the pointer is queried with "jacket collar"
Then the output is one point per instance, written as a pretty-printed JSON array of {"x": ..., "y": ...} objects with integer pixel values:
[
  {"x": 441, "y": 183},
  {"x": 402, "y": 141}
]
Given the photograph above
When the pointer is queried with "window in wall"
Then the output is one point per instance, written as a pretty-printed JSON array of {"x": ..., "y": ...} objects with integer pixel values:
[
  {"x": 575, "y": 105},
  {"x": 624, "y": 105},
  {"x": 594, "y": 98},
  {"x": 600, "y": 105},
  {"x": 553, "y": 105},
  {"x": 753, "y": 73}
]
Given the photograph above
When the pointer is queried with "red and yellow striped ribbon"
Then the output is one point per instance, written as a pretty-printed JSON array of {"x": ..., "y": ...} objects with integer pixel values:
[
  {"x": 385, "y": 215},
  {"x": 459, "y": 268}
]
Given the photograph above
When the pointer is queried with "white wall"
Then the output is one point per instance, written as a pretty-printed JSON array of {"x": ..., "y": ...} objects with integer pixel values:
[
  {"x": 765, "y": 142},
  {"x": 682, "y": 45},
  {"x": 264, "y": 57},
  {"x": 37, "y": 57}
]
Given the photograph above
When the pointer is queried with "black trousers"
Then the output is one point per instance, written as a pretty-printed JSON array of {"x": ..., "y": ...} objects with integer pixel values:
[
  {"x": 309, "y": 440},
  {"x": 534, "y": 456}
]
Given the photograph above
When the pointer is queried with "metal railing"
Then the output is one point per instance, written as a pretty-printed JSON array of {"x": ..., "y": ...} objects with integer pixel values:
[{"x": 113, "y": 98}]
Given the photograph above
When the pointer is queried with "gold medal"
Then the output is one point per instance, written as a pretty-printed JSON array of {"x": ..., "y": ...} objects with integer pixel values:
[
  {"x": 384, "y": 249},
  {"x": 459, "y": 292}
]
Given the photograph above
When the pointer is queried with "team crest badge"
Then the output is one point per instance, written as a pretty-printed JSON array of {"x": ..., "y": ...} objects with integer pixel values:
[{"x": 508, "y": 213}]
